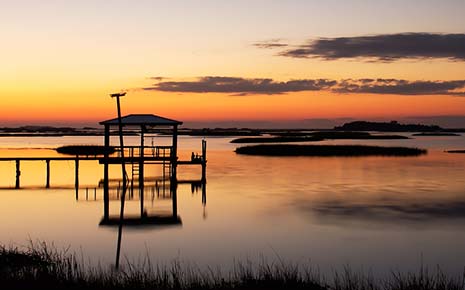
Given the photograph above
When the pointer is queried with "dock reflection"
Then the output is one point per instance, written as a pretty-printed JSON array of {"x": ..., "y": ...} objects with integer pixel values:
[
  {"x": 147, "y": 216},
  {"x": 152, "y": 200},
  {"x": 151, "y": 192}
]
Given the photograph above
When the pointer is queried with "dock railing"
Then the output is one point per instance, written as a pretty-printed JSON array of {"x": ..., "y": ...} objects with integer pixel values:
[{"x": 149, "y": 151}]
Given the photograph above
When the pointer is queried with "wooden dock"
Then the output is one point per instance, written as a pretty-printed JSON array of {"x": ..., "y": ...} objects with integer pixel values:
[
  {"x": 47, "y": 161},
  {"x": 130, "y": 161},
  {"x": 136, "y": 157}
]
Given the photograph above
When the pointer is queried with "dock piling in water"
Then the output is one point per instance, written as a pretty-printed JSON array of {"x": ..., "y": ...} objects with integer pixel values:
[
  {"x": 18, "y": 174},
  {"x": 204, "y": 160},
  {"x": 47, "y": 182}
]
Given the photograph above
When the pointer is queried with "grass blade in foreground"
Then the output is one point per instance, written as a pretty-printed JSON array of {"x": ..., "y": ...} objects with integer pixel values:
[{"x": 41, "y": 267}]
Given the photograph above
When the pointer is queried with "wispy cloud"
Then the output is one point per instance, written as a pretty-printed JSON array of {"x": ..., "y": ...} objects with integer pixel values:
[
  {"x": 157, "y": 78},
  {"x": 270, "y": 44},
  {"x": 384, "y": 47},
  {"x": 238, "y": 86}
]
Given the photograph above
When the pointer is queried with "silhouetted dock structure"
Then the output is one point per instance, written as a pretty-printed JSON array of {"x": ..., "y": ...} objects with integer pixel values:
[
  {"x": 138, "y": 156},
  {"x": 134, "y": 156}
]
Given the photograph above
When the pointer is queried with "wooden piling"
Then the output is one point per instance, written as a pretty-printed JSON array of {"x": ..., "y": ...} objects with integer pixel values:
[
  {"x": 174, "y": 154},
  {"x": 47, "y": 181},
  {"x": 204, "y": 161},
  {"x": 174, "y": 198},
  {"x": 141, "y": 197},
  {"x": 141, "y": 160},
  {"x": 18, "y": 174},
  {"x": 76, "y": 176},
  {"x": 106, "y": 190}
]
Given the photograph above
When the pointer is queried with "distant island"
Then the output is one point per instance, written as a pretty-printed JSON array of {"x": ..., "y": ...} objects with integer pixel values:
[
  {"x": 455, "y": 151},
  {"x": 352, "y": 130},
  {"x": 316, "y": 136},
  {"x": 50, "y": 131},
  {"x": 436, "y": 134},
  {"x": 392, "y": 126}
]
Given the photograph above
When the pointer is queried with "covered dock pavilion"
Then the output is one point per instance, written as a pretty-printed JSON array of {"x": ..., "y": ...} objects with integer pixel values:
[{"x": 141, "y": 154}]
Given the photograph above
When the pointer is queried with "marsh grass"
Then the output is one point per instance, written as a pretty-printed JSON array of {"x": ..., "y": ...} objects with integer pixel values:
[
  {"x": 436, "y": 134},
  {"x": 41, "y": 266},
  {"x": 281, "y": 139},
  {"x": 85, "y": 150},
  {"x": 316, "y": 136},
  {"x": 327, "y": 150},
  {"x": 455, "y": 151}
]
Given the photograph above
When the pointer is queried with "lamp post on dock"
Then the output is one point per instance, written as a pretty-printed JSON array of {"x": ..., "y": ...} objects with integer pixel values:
[
  {"x": 120, "y": 129},
  {"x": 123, "y": 172}
]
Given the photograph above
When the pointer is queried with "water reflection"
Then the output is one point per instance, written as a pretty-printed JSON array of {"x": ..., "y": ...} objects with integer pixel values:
[
  {"x": 157, "y": 190},
  {"x": 407, "y": 212},
  {"x": 152, "y": 198},
  {"x": 329, "y": 210}
]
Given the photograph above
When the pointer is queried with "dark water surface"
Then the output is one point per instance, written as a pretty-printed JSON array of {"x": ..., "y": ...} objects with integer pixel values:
[{"x": 378, "y": 213}]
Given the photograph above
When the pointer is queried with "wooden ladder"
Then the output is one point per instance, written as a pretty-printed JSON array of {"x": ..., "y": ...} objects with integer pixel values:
[
  {"x": 166, "y": 170},
  {"x": 135, "y": 171}
]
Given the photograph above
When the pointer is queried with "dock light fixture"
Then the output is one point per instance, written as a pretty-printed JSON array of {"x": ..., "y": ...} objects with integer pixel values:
[{"x": 116, "y": 95}]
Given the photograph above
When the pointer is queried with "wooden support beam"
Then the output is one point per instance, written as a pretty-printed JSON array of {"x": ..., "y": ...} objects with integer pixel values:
[
  {"x": 141, "y": 170},
  {"x": 174, "y": 197},
  {"x": 76, "y": 176},
  {"x": 106, "y": 187},
  {"x": 174, "y": 154},
  {"x": 18, "y": 174},
  {"x": 141, "y": 161},
  {"x": 141, "y": 197},
  {"x": 47, "y": 181},
  {"x": 204, "y": 161}
]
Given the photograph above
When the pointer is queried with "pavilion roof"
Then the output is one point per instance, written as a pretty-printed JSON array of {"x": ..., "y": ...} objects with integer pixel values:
[{"x": 142, "y": 119}]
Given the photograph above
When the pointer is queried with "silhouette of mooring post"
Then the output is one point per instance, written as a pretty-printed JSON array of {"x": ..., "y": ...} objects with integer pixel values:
[
  {"x": 204, "y": 161},
  {"x": 106, "y": 189},
  {"x": 141, "y": 170},
  {"x": 123, "y": 172},
  {"x": 174, "y": 155},
  {"x": 174, "y": 198},
  {"x": 47, "y": 181},
  {"x": 18, "y": 174},
  {"x": 76, "y": 176}
]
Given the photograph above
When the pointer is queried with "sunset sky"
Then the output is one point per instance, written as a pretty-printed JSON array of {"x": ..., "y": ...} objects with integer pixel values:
[{"x": 214, "y": 62}]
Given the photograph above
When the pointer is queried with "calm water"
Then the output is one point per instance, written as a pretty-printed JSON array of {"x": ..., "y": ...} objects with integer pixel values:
[{"x": 378, "y": 213}]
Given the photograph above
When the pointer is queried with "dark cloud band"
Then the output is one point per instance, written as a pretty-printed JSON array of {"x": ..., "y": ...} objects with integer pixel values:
[
  {"x": 245, "y": 86},
  {"x": 234, "y": 85},
  {"x": 401, "y": 87},
  {"x": 384, "y": 47}
]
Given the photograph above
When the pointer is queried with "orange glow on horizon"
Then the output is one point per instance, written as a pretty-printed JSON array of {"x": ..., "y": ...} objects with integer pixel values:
[{"x": 217, "y": 107}]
